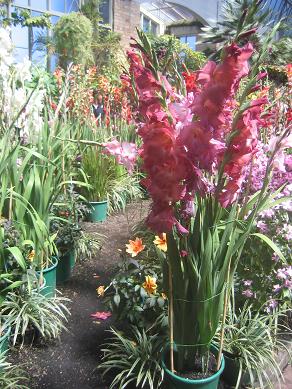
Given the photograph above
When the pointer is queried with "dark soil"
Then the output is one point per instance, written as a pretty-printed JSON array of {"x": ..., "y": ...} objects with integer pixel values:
[
  {"x": 196, "y": 373},
  {"x": 71, "y": 362}
]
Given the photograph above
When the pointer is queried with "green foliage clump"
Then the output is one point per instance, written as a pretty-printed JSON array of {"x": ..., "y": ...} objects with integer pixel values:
[
  {"x": 34, "y": 312},
  {"x": 182, "y": 53},
  {"x": 73, "y": 37},
  {"x": 253, "y": 340},
  {"x": 11, "y": 377},
  {"x": 23, "y": 18},
  {"x": 127, "y": 298},
  {"x": 134, "y": 358}
]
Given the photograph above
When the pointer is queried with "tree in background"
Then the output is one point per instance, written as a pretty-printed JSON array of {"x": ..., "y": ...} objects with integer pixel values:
[
  {"x": 105, "y": 44},
  {"x": 73, "y": 38},
  {"x": 238, "y": 19}
]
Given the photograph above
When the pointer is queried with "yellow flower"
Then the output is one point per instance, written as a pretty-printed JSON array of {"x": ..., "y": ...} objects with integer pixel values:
[
  {"x": 163, "y": 295},
  {"x": 31, "y": 256},
  {"x": 135, "y": 247},
  {"x": 100, "y": 290},
  {"x": 150, "y": 284},
  {"x": 160, "y": 242}
]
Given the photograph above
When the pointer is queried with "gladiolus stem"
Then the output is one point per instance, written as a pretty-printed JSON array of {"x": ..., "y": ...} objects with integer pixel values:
[
  {"x": 170, "y": 316},
  {"x": 226, "y": 298},
  {"x": 10, "y": 203}
]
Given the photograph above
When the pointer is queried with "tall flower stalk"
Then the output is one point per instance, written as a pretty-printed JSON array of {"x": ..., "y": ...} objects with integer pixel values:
[{"x": 196, "y": 149}]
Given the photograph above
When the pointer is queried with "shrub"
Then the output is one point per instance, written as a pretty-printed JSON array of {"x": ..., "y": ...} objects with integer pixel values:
[{"x": 73, "y": 37}]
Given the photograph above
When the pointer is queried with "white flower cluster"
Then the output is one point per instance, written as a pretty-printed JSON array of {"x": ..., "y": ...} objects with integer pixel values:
[{"x": 20, "y": 106}]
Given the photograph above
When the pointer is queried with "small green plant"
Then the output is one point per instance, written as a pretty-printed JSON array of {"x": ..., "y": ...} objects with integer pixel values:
[
  {"x": 35, "y": 312},
  {"x": 136, "y": 358},
  {"x": 87, "y": 245},
  {"x": 124, "y": 188},
  {"x": 127, "y": 297},
  {"x": 100, "y": 172},
  {"x": 10, "y": 375},
  {"x": 253, "y": 339}
]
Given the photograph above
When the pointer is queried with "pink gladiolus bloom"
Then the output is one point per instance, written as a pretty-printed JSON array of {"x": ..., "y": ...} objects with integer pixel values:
[
  {"x": 185, "y": 139},
  {"x": 125, "y": 153},
  {"x": 101, "y": 315}
]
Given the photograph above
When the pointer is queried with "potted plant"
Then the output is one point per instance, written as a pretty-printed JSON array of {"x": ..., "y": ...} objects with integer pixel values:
[
  {"x": 252, "y": 340},
  {"x": 99, "y": 169},
  {"x": 195, "y": 151},
  {"x": 31, "y": 315}
]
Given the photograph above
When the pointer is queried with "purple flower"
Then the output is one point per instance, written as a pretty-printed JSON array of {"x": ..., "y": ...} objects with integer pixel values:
[
  {"x": 277, "y": 288},
  {"x": 247, "y": 282},
  {"x": 275, "y": 257},
  {"x": 271, "y": 305},
  {"x": 288, "y": 284},
  {"x": 281, "y": 274},
  {"x": 262, "y": 226},
  {"x": 269, "y": 213},
  {"x": 247, "y": 293},
  {"x": 289, "y": 271}
]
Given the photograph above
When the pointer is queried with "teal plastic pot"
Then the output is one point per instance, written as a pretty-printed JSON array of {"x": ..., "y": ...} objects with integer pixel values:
[
  {"x": 4, "y": 340},
  {"x": 50, "y": 275},
  {"x": 231, "y": 371},
  {"x": 175, "y": 382},
  {"x": 98, "y": 212},
  {"x": 72, "y": 259},
  {"x": 64, "y": 268}
]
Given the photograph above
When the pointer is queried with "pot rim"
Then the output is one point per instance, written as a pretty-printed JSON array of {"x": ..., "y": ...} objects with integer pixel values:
[
  {"x": 199, "y": 380},
  {"x": 54, "y": 261},
  {"x": 98, "y": 202}
]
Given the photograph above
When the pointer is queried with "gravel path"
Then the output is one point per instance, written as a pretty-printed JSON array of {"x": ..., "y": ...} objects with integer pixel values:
[{"x": 71, "y": 362}]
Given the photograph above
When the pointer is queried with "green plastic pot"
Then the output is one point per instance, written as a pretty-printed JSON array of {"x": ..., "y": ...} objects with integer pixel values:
[
  {"x": 98, "y": 212},
  {"x": 175, "y": 382},
  {"x": 72, "y": 259},
  {"x": 4, "y": 340},
  {"x": 65, "y": 266},
  {"x": 50, "y": 275},
  {"x": 232, "y": 369}
]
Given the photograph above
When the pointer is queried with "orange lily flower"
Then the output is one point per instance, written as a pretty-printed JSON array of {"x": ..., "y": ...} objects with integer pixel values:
[
  {"x": 160, "y": 242},
  {"x": 100, "y": 290},
  {"x": 31, "y": 255},
  {"x": 135, "y": 247},
  {"x": 150, "y": 284}
]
